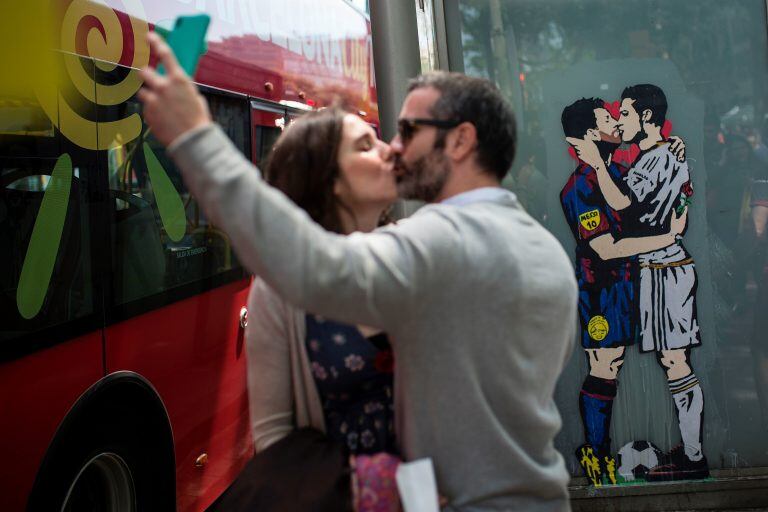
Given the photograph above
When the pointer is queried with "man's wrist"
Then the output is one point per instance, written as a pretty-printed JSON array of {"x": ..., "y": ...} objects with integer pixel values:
[{"x": 184, "y": 137}]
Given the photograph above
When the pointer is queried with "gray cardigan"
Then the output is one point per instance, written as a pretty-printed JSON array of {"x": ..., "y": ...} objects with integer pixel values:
[{"x": 479, "y": 302}]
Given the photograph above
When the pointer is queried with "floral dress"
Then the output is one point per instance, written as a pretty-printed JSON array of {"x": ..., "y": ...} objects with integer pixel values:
[{"x": 353, "y": 375}]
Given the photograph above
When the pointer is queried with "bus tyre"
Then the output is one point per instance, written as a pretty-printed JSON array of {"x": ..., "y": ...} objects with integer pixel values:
[{"x": 109, "y": 464}]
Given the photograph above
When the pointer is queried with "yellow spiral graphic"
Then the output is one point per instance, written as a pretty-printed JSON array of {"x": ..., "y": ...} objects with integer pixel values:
[{"x": 105, "y": 48}]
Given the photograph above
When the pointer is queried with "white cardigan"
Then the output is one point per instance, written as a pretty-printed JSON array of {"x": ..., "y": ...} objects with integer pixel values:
[{"x": 282, "y": 394}]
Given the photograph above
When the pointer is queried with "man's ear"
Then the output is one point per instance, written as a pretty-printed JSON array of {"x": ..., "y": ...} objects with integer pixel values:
[
  {"x": 646, "y": 115},
  {"x": 593, "y": 135},
  {"x": 462, "y": 141}
]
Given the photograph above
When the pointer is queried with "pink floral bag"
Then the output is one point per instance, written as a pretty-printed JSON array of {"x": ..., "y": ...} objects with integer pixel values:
[{"x": 374, "y": 488}]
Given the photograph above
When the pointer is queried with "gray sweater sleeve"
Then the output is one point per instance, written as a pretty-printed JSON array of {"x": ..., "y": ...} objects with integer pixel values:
[{"x": 361, "y": 278}]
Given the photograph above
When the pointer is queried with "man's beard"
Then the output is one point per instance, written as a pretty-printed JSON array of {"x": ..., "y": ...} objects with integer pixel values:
[{"x": 425, "y": 178}]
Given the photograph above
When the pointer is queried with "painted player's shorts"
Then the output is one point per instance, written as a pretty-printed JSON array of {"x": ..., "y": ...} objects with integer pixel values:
[
  {"x": 668, "y": 300},
  {"x": 607, "y": 313}
]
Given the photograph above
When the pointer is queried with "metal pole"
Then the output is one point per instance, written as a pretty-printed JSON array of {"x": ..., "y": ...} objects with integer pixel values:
[
  {"x": 499, "y": 47},
  {"x": 395, "y": 56},
  {"x": 441, "y": 38},
  {"x": 448, "y": 22}
]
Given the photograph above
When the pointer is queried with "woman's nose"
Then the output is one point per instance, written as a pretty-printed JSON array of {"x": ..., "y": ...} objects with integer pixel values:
[
  {"x": 385, "y": 150},
  {"x": 396, "y": 144}
]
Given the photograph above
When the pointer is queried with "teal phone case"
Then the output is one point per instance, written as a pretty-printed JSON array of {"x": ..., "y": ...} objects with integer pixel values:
[{"x": 187, "y": 40}]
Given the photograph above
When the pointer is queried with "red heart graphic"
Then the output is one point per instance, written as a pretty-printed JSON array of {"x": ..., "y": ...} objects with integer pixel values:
[
  {"x": 666, "y": 130},
  {"x": 613, "y": 109}
]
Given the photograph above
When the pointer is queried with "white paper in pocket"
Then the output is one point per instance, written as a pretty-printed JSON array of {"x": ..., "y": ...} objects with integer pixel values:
[{"x": 416, "y": 483}]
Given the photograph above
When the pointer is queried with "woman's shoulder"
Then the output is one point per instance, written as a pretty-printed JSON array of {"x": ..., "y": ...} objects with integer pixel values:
[
  {"x": 260, "y": 287},
  {"x": 263, "y": 298}
]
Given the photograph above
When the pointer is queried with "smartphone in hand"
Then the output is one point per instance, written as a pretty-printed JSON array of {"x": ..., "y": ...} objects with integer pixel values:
[{"x": 187, "y": 40}]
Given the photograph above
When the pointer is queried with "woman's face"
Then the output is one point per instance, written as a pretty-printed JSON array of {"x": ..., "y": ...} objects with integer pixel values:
[{"x": 366, "y": 178}]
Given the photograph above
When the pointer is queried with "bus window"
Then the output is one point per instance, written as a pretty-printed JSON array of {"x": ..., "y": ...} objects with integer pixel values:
[
  {"x": 266, "y": 136},
  {"x": 161, "y": 240},
  {"x": 232, "y": 115},
  {"x": 45, "y": 251},
  {"x": 268, "y": 123}
]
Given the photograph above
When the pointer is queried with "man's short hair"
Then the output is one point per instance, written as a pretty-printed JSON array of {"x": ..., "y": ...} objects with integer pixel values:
[
  {"x": 648, "y": 97},
  {"x": 579, "y": 116},
  {"x": 476, "y": 101}
]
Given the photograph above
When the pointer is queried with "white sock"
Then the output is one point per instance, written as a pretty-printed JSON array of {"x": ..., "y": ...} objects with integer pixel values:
[{"x": 689, "y": 401}]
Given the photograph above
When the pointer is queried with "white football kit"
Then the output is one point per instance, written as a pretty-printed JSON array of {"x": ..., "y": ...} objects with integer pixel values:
[{"x": 667, "y": 276}]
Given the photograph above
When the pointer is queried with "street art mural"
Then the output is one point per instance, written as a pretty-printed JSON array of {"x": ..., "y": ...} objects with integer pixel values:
[{"x": 626, "y": 204}]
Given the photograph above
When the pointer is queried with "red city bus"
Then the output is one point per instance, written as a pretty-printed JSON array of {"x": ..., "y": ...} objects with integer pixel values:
[{"x": 122, "y": 365}]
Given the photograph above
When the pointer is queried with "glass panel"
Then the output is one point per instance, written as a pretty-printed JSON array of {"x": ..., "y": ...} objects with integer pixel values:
[
  {"x": 160, "y": 237},
  {"x": 25, "y": 129},
  {"x": 362, "y": 5},
  {"x": 709, "y": 60},
  {"x": 232, "y": 115},
  {"x": 426, "y": 30},
  {"x": 45, "y": 248},
  {"x": 267, "y": 127}
]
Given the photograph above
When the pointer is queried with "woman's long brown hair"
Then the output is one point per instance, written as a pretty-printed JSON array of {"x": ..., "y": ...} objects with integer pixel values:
[{"x": 304, "y": 165}]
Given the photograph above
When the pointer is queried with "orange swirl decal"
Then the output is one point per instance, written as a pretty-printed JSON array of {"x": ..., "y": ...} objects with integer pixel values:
[{"x": 103, "y": 41}]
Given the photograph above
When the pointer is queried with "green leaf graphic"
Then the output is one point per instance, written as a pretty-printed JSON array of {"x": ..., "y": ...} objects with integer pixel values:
[
  {"x": 169, "y": 202},
  {"x": 45, "y": 241}
]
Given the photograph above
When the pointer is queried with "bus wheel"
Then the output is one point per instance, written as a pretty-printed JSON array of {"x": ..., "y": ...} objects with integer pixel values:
[
  {"x": 114, "y": 458},
  {"x": 104, "y": 483},
  {"x": 107, "y": 465}
]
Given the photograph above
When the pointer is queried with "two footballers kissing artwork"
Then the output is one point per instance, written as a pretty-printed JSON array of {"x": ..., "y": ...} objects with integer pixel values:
[{"x": 626, "y": 203}]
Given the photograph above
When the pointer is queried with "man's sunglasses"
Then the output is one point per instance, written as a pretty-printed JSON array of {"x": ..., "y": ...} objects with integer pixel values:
[{"x": 406, "y": 128}]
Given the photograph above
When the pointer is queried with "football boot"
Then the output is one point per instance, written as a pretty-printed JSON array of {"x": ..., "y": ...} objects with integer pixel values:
[
  {"x": 676, "y": 465},
  {"x": 598, "y": 468}
]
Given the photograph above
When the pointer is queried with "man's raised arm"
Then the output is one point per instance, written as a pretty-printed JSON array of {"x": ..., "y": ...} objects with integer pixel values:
[{"x": 357, "y": 279}]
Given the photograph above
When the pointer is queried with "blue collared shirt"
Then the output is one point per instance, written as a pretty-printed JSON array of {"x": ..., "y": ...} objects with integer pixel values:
[{"x": 479, "y": 194}]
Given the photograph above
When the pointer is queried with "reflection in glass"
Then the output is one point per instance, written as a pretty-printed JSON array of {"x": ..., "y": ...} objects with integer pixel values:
[
  {"x": 44, "y": 234},
  {"x": 161, "y": 239},
  {"x": 710, "y": 59},
  {"x": 20, "y": 116},
  {"x": 426, "y": 30}
]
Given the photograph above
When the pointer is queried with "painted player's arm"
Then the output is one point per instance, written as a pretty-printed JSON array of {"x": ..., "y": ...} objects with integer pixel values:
[
  {"x": 587, "y": 151},
  {"x": 608, "y": 248},
  {"x": 615, "y": 198}
]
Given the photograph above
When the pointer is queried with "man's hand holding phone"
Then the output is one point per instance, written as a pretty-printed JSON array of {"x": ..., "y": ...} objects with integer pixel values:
[{"x": 172, "y": 104}]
